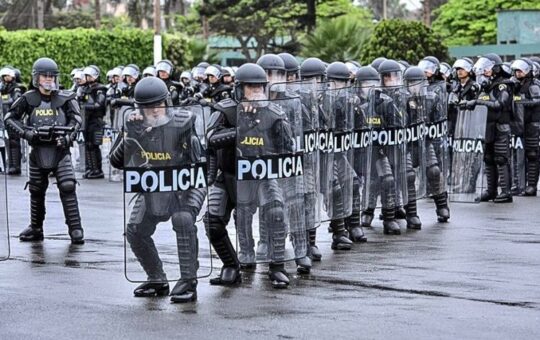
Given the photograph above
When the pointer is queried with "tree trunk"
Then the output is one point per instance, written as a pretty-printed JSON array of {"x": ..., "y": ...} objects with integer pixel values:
[
  {"x": 167, "y": 14},
  {"x": 244, "y": 47},
  {"x": 311, "y": 16},
  {"x": 98, "y": 14},
  {"x": 40, "y": 14}
]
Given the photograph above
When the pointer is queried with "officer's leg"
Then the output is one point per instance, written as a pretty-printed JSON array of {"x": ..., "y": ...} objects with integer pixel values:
[
  {"x": 65, "y": 179},
  {"x": 14, "y": 149},
  {"x": 352, "y": 222},
  {"x": 413, "y": 221},
  {"x": 388, "y": 196},
  {"x": 374, "y": 191},
  {"x": 216, "y": 219},
  {"x": 183, "y": 222},
  {"x": 271, "y": 200},
  {"x": 140, "y": 228},
  {"x": 340, "y": 239},
  {"x": 532, "y": 136},
  {"x": 501, "y": 156},
  {"x": 296, "y": 222},
  {"x": 433, "y": 174},
  {"x": 95, "y": 140},
  {"x": 37, "y": 185},
  {"x": 490, "y": 171},
  {"x": 244, "y": 230}
]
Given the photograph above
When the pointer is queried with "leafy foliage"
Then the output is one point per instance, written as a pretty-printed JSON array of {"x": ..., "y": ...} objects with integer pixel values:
[
  {"x": 474, "y": 22},
  {"x": 80, "y": 47},
  {"x": 400, "y": 39},
  {"x": 339, "y": 39}
]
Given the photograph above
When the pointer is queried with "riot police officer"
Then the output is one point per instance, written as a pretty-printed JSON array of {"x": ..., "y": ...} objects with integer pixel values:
[
  {"x": 313, "y": 70},
  {"x": 216, "y": 90},
  {"x": 292, "y": 67},
  {"x": 495, "y": 94},
  {"x": 165, "y": 72},
  {"x": 250, "y": 84},
  {"x": 94, "y": 105},
  {"x": 155, "y": 128},
  {"x": 437, "y": 158},
  {"x": 11, "y": 90},
  {"x": 528, "y": 100},
  {"x": 52, "y": 119}
]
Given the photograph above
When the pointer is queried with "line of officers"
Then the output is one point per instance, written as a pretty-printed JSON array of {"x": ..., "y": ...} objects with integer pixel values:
[{"x": 381, "y": 99}]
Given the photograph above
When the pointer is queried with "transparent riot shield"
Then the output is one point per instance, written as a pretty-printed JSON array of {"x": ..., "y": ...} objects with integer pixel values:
[
  {"x": 387, "y": 176},
  {"x": 270, "y": 210},
  {"x": 517, "y": 147},
  {"x": 436, "y": 136},
  {"x": 4, "y": 226},
  {"x": 165, "y": 191},
  {"x": 335, "y": 149},
  {"x": 110, "y": 135},
  {"x": 417, "y": 151},
  {"x": 466, "y": 184}
]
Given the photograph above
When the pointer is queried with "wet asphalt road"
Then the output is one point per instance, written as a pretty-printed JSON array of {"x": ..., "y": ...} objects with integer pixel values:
[{"x": 477, "y": 277}]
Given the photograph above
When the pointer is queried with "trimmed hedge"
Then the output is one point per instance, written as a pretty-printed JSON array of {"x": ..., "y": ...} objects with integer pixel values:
[{"x": 72, "y": 48}]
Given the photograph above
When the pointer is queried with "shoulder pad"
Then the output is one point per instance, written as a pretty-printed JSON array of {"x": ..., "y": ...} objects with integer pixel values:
[
  {"x": 61, "y": 97},
  {"x": 183, "y": 118},
  {"x": 273, "y": 107},
  {"x": 534, "y": 90},
  {"x": 33, "y": 97},
  {"x": 226, "y": 104}
]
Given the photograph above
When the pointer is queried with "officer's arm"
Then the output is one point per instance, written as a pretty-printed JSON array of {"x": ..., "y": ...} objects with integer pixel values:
[
  {"x": 496, "y": 104},
  {"x": 534, "y": 91},
  {"x": 13, "y": 119},
  {"x": 219, "y": 136},
  {"x": 284, "y": 136},
  {"x": 14, "y": 96},
  {"x": 98, "y": 103},
  {"x": 73, "y": 115},
  {"x": 116, "y": 155}
]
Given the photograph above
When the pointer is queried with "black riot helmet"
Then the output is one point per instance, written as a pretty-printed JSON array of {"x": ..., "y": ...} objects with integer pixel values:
[
  {"x": 312, "y": 67},
  {"x": 415, "y": 80},
  {"x": 338, "y": 71},
  {"x": 376, "y": 62},
  {"x": 150, "y": 91},
  {"x": 367, "y": 77},
  {"x": 291, "y": 66},
  {"x": 45, "y": 67},
  {"x": 274, "y": 67},
  {"x": 251, "y": 74},
  {"x": 391, "y": 74}
]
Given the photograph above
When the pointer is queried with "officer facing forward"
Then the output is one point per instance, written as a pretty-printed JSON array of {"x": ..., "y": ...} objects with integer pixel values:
[{"x": 52, "y": 119}]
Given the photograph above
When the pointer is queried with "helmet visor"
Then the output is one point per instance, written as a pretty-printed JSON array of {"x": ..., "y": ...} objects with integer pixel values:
[
  {"x": 521, "y": 65},
  {"x": 463, "y": 64},
  {"x": 428, "y": 66}
]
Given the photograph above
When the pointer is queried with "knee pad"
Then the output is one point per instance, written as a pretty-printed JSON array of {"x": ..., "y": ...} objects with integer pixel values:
[
  {"x": 215, "y": 227},
  {"x": 387, "y": 182},
  {"x": 411, "y": 177},
  {"x": 182, "y": 220},
  {"x": 274, "y": 213},
  {"x": 433, "y": 172},
  {"x": 500, "y": 160},
  {"x": 489, "y": 159},
  {"x": 66, "y": 187},
  {"x": 36, "y": 189},
  {"x": 532, "y": 155}
]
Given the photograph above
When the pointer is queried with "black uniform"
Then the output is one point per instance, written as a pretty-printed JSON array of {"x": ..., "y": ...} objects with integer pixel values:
[
  {"x": 33, "y": 111},
  {"x": 10, "y": 93},
  {"x": 497, "y": 98},
  {"x": 527, "y": 99},
  {"x": 217, "y": 92},
  {"x": 93, "y": 103}
]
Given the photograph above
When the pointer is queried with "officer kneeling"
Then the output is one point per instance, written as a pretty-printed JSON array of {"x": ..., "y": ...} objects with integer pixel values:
[{"x": 161, "y": 139}]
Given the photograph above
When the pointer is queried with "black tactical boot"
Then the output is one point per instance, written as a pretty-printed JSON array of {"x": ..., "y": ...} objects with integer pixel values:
[
  {"x": 77, "y": 236},
  {"x": 31, "y": 233},
  {"x": 278, "y": 275},
  {"x": 314, "y": 252},
  {"x": 441, "y": 203},
  {"x": 367, "y": 217},
  {"x": 356, "y": 233},
  {"x": 152, "y": 289},
  {"x": 340, "y": 239},
  {"x": 390, "y": 225},
  {"x": 303, "y": 265},
  {"x": 184, "y": 291}
]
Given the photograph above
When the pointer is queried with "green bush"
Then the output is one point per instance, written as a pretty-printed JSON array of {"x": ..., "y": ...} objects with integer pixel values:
[
  {"x": 80, "y": 47},
  {"x": 401, "y": 39}
]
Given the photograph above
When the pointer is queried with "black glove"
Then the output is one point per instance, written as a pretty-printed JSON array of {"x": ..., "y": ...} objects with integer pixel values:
[
  {"x": 134, "y": 125},
  {"x": 63, "y": 142},
  {"x": 31, "y": 136}
]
